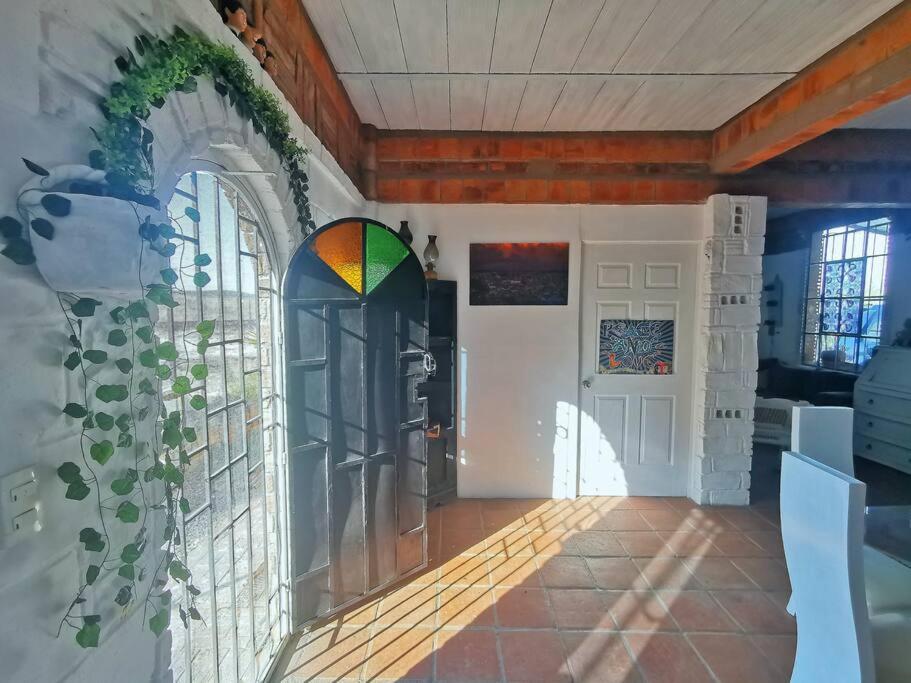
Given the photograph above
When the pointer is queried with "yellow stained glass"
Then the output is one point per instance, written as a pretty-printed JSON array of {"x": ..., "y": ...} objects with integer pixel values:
[{"x": 341, "y": 248}]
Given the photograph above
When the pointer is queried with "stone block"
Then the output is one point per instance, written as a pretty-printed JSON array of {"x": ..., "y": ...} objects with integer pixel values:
[
  {"x": 731, "y": 463},
  {"x": 721, "y": 480},
  {"x": 740, "y": 315},
  {"x": 745, "y": 265},
  {"x": 729, "y": 497}
]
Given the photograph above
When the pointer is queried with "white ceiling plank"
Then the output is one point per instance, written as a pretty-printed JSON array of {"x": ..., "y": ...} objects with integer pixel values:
[
  {"x": 377, "y": 33},
  {"x": 608, "y": 102},
  {"x": 537, "y": 103},
  {"x": 397, "y": 102},
  {"x": 732, "y": 95},
  {"x": 503, "y": 98},
  {"x": 431, "y": 97},
  {"x": 614, "y": 30},
  {"x": 700, "y": 49},
  {"x": 567, "y": 28},
  {"x": 472, "y": 24},
  {"x": 422, "y": 24},
  {"x": 668, "y": 23},
  {"x": 363, "y": 97},
  {"x": 466, "y": 103},
  {"x": 676, "y": 108},
  {"x": 574, "y": 102},
  {"x": 332, "y": 25},
  {"x": 519, "y": 27}
]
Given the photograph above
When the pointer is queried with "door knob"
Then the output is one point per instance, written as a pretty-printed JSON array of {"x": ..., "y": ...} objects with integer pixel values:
[{"x": 587, "y": 383}]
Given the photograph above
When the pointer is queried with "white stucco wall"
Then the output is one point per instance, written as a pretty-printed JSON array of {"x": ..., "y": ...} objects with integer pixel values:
[{"x": 58, "y": 60}]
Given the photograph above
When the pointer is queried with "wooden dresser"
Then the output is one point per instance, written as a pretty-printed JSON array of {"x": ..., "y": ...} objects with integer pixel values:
[{"x": 882, "y": 409}]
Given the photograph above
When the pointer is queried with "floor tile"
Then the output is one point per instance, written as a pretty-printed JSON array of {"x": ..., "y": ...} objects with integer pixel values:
[
  {"x": 580, "y": 609},
  {"x": 552, "y": 543},
  {"x": 514, "y": 571},
  {"x": 767, "y": 573},
  {"x": 690, "y": 544},
  {"x": 464, "y": 570},
  {"x": 641, "y": 503},
  {"x": 523, "y": 608},
  {"x": 755, "y": 612},
  {"x": 639, "y": 611},
  {"x": 467, "y": 656},
  {"x": 465, "y": 606},
  {"x": 643, "y": 544},
  {"x": 564, "y": 572},
  {"x": 696, "y": 611},
  {"x": 769, "y": 541},
  {"x": 666, "y": 520},
  {"x": 716, "y": 573},
  {"x": 599, "y": 658},
  {"x": 330, "y": 653},
  {"x": 400, "y": 653},
  {"x": 598, "y": 544},
  {"x": 667, "y": 572},
  {"x": 408, "y": 606},
  {"x": 779, "y": 651},
  {"x": 734, "y": 659},
  {"x": 534, "y": 656},
  {"x": 621, "y": 520},
  {"x": 463, "y": 542},
  {"x": 461, "y": 514},
  {"x": 666, "y": 658},
  {"x": 616, "y": 573},
  {"x": 737, "y": 544}
]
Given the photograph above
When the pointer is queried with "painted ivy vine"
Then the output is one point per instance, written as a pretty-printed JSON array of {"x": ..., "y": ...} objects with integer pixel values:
[{"x": 136, "y": 479}]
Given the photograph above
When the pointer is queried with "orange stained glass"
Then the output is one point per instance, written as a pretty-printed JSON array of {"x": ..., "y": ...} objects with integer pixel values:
[{"x": 341, "y": 248}]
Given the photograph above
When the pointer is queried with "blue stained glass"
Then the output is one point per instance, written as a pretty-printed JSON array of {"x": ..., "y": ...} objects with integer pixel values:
[
  {"x": 849, "y": 322},
  {"x": 853, "y": 279},
  {"x": 873, "y": 315},
  {"x": 832, "y": 286},
  {"x": 830, "y": 315}
]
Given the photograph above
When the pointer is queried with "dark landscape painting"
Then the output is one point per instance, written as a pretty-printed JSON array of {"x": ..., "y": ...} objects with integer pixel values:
[{"x": 518, "y": 274}]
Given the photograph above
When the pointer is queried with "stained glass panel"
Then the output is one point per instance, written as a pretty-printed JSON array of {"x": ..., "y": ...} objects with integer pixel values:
[
  {"x": 384, "y": 252},
  {"x": 830, "y": 315},
  {"x": 832, "y": 285},
  {"x": 340, "y": 247},
  {"x": 849, "y": 323}
]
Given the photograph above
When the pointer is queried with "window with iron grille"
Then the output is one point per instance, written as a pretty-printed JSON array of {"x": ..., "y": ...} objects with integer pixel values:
[{"x": 846, "y": 288}]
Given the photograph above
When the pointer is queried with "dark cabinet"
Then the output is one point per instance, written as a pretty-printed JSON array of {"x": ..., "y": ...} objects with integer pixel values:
[{"x": 440, "y": 390}]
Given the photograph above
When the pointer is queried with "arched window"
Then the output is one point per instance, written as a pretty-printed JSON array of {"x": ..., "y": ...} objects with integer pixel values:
[{"x": 230, "y": 536}]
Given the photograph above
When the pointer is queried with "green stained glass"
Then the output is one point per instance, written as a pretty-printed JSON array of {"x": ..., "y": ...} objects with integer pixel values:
[{"x": 384, "y": 252}]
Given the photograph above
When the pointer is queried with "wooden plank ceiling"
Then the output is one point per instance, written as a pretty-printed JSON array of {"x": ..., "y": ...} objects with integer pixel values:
[{"x": 574, "y": 65}]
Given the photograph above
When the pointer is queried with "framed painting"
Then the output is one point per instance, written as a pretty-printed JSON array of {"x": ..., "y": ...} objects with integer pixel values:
[
  {"x": 518, "y": 273},
  {"x": 636, "y": 347}
]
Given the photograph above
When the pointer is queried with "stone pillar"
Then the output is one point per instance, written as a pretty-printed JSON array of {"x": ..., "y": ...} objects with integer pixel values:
[{"x": 727, "y": 357}]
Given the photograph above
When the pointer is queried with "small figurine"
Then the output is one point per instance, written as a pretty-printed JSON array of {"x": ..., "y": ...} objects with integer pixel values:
[
  {"x": 259, "y": 50},
  {"x": 235, "y": 16},
  {"x": 270, "y": 65}
]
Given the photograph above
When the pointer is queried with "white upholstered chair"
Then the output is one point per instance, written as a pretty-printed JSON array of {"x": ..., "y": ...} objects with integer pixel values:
[
  {"x": 826, "y": 434},
  {"x": 822, "y": 527}
]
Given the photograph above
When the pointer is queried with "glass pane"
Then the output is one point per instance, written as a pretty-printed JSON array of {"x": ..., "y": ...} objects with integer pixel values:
[
  {"x": 810, "y": 349},
  {"x": 243, "y": 613},
  {"x": 208, "y": 244},
  {"x": 197, "y": 542},
  {"x": 814, "y": 306},
  {"x": 230, "y": 277},
  {"x": 835, "y": 244},
  {"x": 218, "y": 441},
  {"x": 384, "y": 252},
  {"x": 873, "y": 318},
  {"x": 341, "y": 249},
  {"x": 239, "y": 486},
  {"x": 847, "y": 353},
  {"x": 233, "y": 372},
  {"x": 249, "y": 295},
  {"x": 832, "y": 283},
  {"x": 236, "y": 431},
  {"x": 849, "y": 322},
  {"x": 854, "y": 244},
  {"x": 853, "y": 278},
  {"x": 215, "y": 380},
  {"x": 221, "y": 502},
  {"x": 830, "y": 315},
  {"x": 866, "y": 350},
  {"x": 185, "y": 184},
  {"x": 876, "y": 276},
  {"x": 251, "y": 395},
  {"x": 814, "y": 283},
  {"x": 225, "y": 609},
  {"x": 260, "y": 578},
  {"x": 878, "y": 241},
  {"x": 196, "y": 481},
  {"x": 254, "y": 442},
  {"x": 247, "y": 231}
]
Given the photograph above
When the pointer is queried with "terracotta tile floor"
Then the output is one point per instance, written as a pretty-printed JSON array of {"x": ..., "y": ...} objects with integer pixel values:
[{"x": 594, "y": 589}]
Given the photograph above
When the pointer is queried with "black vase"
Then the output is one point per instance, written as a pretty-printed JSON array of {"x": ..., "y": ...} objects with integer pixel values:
[{"x": 405, "y": 233}]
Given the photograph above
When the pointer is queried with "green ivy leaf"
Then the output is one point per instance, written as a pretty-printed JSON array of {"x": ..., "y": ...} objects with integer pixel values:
[
  {"x": 181, "y": 386},
  {"x": 124, "y": 365},
  {"x": 124, "y": 422},
  {"x": 144, "y": 333},
  {"x": 88, "y": 635},
  {"x": 202, "y": 260},
  {"x": 166, "y": 230},
  {"x": 97, "y": 160},
  {"x": 198, "y": 402},
  {"x": 69, "y": 472},
  {"x": 77, "y": 490},
  {"x": 194, "y": 591},
  {"x": 127, "y": 571},
  {"x": 137, "y": 310},
  {"x": 102, "y": 451},
  {"x": 163, "y": 372},
  {"x": 185, "y": 506},
  {"x": 117, "y": 338},
  {"x": 184, "y": 458},
  {"x": 94, "y": 543},
  {"x": 166, "y": 351},
  {"x": 10, "y": 228},
  {"x": 35, "y": 168},
  {"x": 169, "y": 276},
  {"x": 43, "y": 228},
  {"x": 161, "y": 295},
  {"x": 130, "y": 553},
  {"x": 56, "y": 205},
  {"x": 171, "y": 436},
  {"x": 92, "y": 573},
  {"x": 127, "y": 512},
  {"x": 72, "y": 361},
  {"x": 206, "y": 328},
  {"x": 160, "y": 621},
  {"x": 178, "y": 570},
  {"x": 189, "y": 434},
  {"x": 104, "y": 421},
  {"x": 146, "y": 387},
  {"x": 125, "y": 440},
  {"x": 201, "y": 279},
  {"x": 124, "y": 595},
  {"x": 202, "y": 346},
  {"x": 95, "y": 356},
  {"x": 148, "y": 358},
  {"x": 199, "y": 371},
  {"x": 112, "y": 392},
  {"x": 192, "y": 214},
  {"x": 122, "y": 486},
  {"x": 85, "y": 307},
  {"x": 118, "y": 315},
  {"x": 19, "y": 252},
  {"x": 173, "y": 475},
  {"x": 75, "y": 410}
]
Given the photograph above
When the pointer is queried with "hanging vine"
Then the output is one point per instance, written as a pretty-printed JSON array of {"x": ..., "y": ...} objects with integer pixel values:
[{"x": 134, "y": 374}]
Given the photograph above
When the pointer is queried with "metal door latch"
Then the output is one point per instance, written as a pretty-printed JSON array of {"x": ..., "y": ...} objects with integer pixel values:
[{"x": 430, "y": 364}]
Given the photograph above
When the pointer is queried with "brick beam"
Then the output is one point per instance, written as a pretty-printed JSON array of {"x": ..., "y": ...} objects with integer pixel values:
[
  {"x": 865, "y": 72},
  {"x": 307, "y": 78}
]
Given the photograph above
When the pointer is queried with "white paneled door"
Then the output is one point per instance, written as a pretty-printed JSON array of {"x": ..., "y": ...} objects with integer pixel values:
[{"x": 638, "y": 310}]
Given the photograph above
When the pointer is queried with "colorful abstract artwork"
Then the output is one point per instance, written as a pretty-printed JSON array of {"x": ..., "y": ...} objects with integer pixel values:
[
  {"x": 636, "y": 347},
  {"x": 518, "y": 274}
]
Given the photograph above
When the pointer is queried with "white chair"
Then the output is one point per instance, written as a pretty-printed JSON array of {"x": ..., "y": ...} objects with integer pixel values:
[
  {"x": 822, "y": 526},
  {"x": 826, "y": 434}
]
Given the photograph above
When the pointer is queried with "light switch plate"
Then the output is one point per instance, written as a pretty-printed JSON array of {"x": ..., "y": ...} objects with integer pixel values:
[{"x": 20, "y": 506}]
